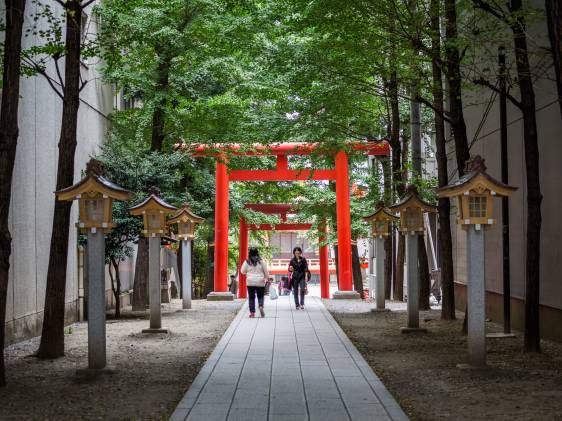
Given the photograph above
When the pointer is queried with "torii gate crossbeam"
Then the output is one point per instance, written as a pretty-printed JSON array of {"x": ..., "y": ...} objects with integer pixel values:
[{"x": 283, "y": 173}]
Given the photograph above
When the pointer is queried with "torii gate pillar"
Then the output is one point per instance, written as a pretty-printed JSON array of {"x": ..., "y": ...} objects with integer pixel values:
[
  {"x": 242, "y": 253},
  {"x": 343, "y": 217},
  {"x": 221, "y": 292},
  {"x": 324, "y": 269}
]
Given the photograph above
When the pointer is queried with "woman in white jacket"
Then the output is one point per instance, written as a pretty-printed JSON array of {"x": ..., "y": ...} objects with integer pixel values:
[{"x": 256, "y": 273}]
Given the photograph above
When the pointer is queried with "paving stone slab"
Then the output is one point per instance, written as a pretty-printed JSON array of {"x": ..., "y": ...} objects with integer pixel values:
[{"x": 290, "y": 365}]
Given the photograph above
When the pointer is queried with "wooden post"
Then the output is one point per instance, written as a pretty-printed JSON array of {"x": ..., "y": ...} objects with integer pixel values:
[
  {"x": 345, "y": 276},
  {"x": 221, "y": 291}
]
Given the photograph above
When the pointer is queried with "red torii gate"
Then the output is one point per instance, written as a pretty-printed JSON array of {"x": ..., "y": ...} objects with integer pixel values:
[
  {"x": 282, "y": 210},
  {"x": 283, "y": 173}
]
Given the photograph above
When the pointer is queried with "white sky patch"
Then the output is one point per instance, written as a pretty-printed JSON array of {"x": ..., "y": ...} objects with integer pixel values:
[{"x": 292, "y": 115}]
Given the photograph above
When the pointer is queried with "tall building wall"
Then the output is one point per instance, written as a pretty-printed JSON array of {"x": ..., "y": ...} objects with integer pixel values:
[
  {"x": 487, "y": 144},
  {"x": 34, "y": 182}
]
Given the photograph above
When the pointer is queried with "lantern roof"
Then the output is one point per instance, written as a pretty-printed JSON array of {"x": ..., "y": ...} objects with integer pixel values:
[
  {"x": 94, "y": 181},
  {"x": 185, "y": 214},
  {"x": 382, "y": 213},
  {"x": 153, "y": 203},
  {"x": 412, "y": 199},
  {"x": 476, "y": 178}
]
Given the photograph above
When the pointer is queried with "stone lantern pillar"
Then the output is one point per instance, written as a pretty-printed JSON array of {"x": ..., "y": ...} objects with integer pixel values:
[
  {"x": 154, "y": 211},
  {"x": 411, "y": 209},
  {"x": 381, "y": 227},
  {"x": 95, "y": 195},
  {"x": 475, "y": 192},
  {"x": 185, "y": 221}
]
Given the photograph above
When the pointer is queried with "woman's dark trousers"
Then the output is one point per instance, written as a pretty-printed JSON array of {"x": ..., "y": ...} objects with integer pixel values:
[
  {"x": 252, "y": 292},
  {"x": 296, "y": 284}
]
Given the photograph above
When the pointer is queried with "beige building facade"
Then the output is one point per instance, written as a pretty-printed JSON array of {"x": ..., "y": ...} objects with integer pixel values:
[
  {"x": 486, "y": 142},
  {"x": 34, "y": 182}
]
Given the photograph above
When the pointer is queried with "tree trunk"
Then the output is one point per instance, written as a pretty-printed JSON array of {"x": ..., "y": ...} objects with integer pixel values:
[
  {"x": 388, "y": 267},
  {"x": 455, "y": 90},
  {"x": 356, "y": 270},
  {"x": 158, "y": 117},
  {"x": 534, "y": 197},
  {"x": 554, "y": 20},
  {"x": 9, "y": 132},
  {"x": 116, "y": 286},
  {"x": 387, "y": 183},
  {"x": 456, "y": 115},
  {"x": 337, "y": 265},
  {"x": 140, "y": 285},
  {"x": 211, "y": 268},
  {"x": 399, "y": 277},
  {"x": 52, "y": 337},
  {"x": 415, "y": 124},
  {"x": 180, "y": 269},
  {"x": 423, "y": 274},
  {"x": 444, "y": 205},
  {"x": 397, "y": 180}
]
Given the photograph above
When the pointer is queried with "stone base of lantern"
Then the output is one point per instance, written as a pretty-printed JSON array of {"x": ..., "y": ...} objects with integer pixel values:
[
  {"x": 500, "y": 335},
  {"x": 156, "y": 330},
  {"x": 220, "y": 296},
  {"x": 346, "y": 295},
  {"x": 380, "y": 310},
  {"x": 413, "y": 330},
  {"x": 94, "y": 372},
  {"x": 464, "y": 366}
]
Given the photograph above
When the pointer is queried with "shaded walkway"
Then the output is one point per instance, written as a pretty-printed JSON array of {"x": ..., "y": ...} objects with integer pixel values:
[{"x": 291, "y": 365}]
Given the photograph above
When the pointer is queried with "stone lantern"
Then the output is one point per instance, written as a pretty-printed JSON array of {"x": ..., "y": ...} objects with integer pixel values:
[
  {"x": 381, "y": 227},
  {"x": 475, "y": 193},
  {"x": 154, "y": 211},
  {"x": 185, "y": 221},
  {"x": 411, "y": 209},
  {"x": 95, "y": 195}
]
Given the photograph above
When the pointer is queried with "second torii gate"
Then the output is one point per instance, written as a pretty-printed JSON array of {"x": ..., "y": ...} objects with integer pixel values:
[
  {"x": 282, "y": 173},
  {"x": 282, "y": 210}
]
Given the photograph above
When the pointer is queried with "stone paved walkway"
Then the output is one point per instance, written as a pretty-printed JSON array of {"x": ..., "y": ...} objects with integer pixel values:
[{"x": 291, "y": 365}]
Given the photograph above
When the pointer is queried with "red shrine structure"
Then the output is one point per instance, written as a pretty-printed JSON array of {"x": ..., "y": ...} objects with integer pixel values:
[
  {"x": 282, "y": 210},
  {"x": 282, "y": 151}
]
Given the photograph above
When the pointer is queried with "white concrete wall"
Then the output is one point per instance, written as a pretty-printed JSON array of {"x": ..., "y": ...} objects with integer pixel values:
[
  {"x": 34, "y": 182},
  {"x": 487, "y": 144}
]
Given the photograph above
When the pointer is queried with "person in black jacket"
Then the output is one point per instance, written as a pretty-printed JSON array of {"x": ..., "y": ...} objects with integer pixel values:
[{"x": 298, "y": 267}]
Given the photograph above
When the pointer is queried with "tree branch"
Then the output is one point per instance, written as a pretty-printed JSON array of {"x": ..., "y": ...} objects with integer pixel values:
[
  {"x": 482, "y": 5},
  {"x": 42, "y": 72},
  {"x": 442, "y": 114},
  {"x": 61, "y": 81},
  {"x": 83, "y": 85},
  {"x": 86, "y": 4},
  {"x": 484, "y": 82}
]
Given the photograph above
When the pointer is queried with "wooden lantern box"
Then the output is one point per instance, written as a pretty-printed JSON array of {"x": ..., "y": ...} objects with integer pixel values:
[
  {"x": 475, "y": 192},
  {"x": 153, "y": 210},
  {"x": 95, "y": 195},
  {"x": 381, "y": 221},
  {"x": 411, "y": 209}
]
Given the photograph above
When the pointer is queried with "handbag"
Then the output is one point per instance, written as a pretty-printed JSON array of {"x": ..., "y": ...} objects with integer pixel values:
[{"x": 273, "y": 293}]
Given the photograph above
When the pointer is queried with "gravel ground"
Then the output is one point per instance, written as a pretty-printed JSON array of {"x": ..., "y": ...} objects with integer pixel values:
[
  {"x": 150, "y": 372},
  {"x": 420, "y": 370}
]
